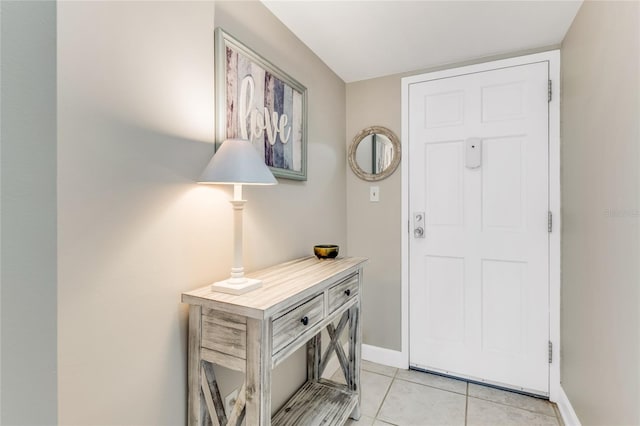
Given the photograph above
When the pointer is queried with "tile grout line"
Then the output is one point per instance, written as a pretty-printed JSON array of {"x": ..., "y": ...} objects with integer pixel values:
[
  {"x": 385, "y": 396},
  {"x": 432, "y": 387},
  {"x": 510, "y": 406},
  {"x": 466, "y": 404}
]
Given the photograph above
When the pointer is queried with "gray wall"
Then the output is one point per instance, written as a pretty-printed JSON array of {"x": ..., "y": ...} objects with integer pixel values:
[
  {"x": 28, "y": 218},
  {"x": 136, "y": 112},
  {"x": 373, "y": 228},
  {"x": 601, "y": 213}
]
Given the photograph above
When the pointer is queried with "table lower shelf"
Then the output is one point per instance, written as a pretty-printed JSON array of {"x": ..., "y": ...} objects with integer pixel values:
[{"x": 317, "y": 403}]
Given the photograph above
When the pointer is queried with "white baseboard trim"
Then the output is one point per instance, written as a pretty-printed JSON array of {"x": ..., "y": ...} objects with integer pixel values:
[
  {"x": 375, "y": 354},
  {"x": 569, "y": 416},
  {"x": 384, "y": 356}
]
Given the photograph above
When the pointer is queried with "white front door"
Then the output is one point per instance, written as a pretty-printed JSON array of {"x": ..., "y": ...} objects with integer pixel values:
[{"x": 479, "y": 273}]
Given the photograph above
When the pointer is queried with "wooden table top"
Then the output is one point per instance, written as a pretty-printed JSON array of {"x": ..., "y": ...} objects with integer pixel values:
[{"x": 281, "y": 283}]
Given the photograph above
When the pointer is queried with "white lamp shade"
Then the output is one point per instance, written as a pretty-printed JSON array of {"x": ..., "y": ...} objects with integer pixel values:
[{"x": 237, "y": 162}]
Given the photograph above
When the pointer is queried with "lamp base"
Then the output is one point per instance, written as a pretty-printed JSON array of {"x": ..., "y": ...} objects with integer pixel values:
[{"x": 230, "y": 287}]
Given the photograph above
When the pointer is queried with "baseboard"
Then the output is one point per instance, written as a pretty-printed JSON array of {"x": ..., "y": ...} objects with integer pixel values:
[
  {"x": 384, "y": 356},
  {"x": 375, "y": 354},
  {"x": 569, "y": 416}
]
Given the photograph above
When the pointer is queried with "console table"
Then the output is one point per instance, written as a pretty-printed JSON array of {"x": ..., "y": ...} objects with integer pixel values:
[{"x": 256, "y": 331}]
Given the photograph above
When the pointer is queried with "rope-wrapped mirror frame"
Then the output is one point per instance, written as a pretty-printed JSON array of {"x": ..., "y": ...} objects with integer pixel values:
[{"x": 355, "y": 167}]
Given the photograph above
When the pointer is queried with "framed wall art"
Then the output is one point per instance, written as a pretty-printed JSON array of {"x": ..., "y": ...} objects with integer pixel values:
[{"x": 255, "y": 100}]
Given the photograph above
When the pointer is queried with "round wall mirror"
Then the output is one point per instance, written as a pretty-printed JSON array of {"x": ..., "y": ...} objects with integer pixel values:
[{"x": 374, "y": 153}]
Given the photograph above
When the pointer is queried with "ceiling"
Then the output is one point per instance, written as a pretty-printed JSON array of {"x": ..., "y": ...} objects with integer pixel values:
[{"x": 359, "y": 40}]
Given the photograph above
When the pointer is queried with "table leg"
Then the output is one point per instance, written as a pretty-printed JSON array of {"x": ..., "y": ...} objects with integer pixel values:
[
  {"x": 355, "y": 341},
  {"x": 258, "y": 378},
  {"x": 194, "y": 414},
  {"x": 314, "y": 346}
]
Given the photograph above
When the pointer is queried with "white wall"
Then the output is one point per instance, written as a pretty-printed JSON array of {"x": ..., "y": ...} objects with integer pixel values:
[
  {"x": 601, "y": 213},
  {"x": 28, "y": 217},
  {"x": 136, "y": 110}
]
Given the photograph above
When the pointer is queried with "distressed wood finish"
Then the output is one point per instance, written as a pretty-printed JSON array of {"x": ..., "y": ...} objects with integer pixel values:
[
  {"x": 214, "y": 401},
  {"x": 314, "y": 346},
  {"x": 340, "y": 293},
  {"x": 282, "y": 285},
  {"x": 355, "y": 347},
  {"x": 334, "y": 335},
  {"x": 292, "y": 324},
  {"x": 210, "y": 414},
  {"x": 256, "y": 331},
  {"x": 308, "y": 334},
  {"x": 315, "y": 404},
  {"x": 237, "y": 413},
  {"x": 194, "y": 414},
  {"x": 258, "y": 392},
  {"x": 225, "y": 333},
  {"x": 228, "y": 361}
]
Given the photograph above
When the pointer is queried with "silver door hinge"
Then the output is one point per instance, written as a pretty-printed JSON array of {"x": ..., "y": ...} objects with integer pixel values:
[
  {"x": 549, "y": 87},
  {"x": 550, "y": 222},
  {"x": 550, "y": 352}
]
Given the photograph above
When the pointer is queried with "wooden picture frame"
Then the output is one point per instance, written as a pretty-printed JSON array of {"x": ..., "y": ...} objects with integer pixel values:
[{"x": 256, "y": 100}]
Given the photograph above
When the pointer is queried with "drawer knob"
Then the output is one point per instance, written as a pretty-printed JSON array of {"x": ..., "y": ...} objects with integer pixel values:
[
  {"x": 305, "y": 320},
  {"x": 347, "y": 292}
]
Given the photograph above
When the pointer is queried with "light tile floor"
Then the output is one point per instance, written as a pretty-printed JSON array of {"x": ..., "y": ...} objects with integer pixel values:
[{"x": 410, "y": 398}]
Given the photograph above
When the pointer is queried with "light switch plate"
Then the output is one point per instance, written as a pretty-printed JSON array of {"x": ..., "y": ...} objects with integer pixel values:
[{"x": 374, "y": 194}]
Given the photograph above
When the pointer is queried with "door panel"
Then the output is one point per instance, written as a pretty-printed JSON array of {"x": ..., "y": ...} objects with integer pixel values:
[
  {"x": 445, "y": 321},
  {"x": 502, "y": 184},
  {"x": 444, "y": 109},
  {"x": 478, "y": 280},
  {"x": 444, "y": 185},
  {"x": 502, "y": 305}
]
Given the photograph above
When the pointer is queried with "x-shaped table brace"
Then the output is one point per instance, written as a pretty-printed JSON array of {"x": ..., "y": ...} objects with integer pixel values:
[{"x": 214, "y": 413}]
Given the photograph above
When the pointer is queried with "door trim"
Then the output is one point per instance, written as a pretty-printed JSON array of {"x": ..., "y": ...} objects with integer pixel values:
[{"x": 553, "y": 57}]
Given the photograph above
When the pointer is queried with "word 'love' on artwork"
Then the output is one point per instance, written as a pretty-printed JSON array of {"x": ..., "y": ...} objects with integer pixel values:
[{"x": 259, "y": 121}]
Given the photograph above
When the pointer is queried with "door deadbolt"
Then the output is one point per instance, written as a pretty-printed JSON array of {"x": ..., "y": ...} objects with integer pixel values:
[{"x": 418, "y": 225}]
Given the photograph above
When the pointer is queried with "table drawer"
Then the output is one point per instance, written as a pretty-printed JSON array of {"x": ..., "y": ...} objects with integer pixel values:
[
  {"x": 292, "y": 324},
  {"x": 340, "y": 293}
]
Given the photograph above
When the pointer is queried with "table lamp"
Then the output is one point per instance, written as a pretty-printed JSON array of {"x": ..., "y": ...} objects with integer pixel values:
[{"x": 237, "y": 163}]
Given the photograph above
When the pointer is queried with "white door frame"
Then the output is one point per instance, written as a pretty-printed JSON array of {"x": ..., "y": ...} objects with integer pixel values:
[{"x": 553, "y": 57}]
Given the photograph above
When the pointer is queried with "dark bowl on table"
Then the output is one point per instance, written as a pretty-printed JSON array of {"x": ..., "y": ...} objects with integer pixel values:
[{"x": 326, "y": 251}]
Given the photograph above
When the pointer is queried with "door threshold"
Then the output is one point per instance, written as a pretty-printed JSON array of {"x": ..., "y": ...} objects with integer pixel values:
[{"x": 482, "y": 382}]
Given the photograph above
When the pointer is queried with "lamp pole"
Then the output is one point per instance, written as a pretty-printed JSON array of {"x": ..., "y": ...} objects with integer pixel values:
[{"x": 237, "y": 270}]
